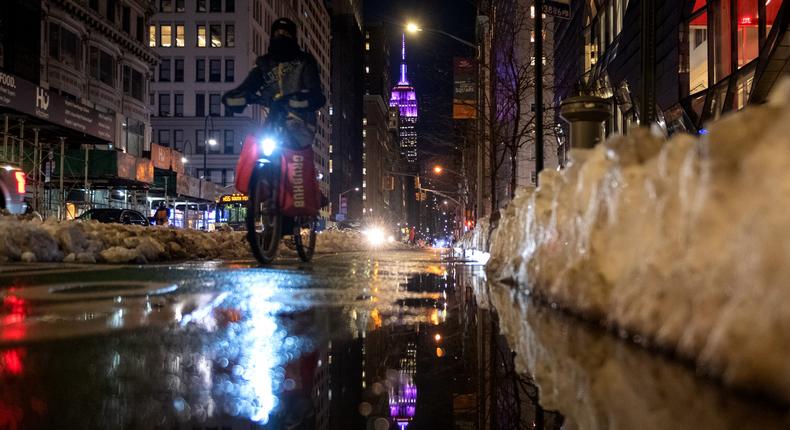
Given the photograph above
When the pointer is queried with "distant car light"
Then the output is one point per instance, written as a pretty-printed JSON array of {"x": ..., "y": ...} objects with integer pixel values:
[
  {"x": 375, "y": 236},
  {"x": 268, "y": 145}
]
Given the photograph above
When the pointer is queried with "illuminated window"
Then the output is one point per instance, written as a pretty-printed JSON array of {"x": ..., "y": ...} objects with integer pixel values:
[
  {"x": 166, "y": 33},
  {"x": 201, "y": 36},
  {"x": 367, "y": 46},
  {"x": 748, "y": 38},
  {"x": 697, "y": 53},
  {"x": 180, "y": 35},
  {"x": 152, "y": 36}
]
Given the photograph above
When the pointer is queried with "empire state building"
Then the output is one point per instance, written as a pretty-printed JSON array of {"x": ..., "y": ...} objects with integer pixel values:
[{"x": 405, "y": 99}]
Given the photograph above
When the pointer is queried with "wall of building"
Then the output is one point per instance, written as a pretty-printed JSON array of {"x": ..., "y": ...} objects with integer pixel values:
[{"x": 347, "y": 91}]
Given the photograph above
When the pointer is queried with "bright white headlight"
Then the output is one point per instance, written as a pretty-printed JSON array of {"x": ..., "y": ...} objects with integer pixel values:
[{"x": 268, "y": 145}]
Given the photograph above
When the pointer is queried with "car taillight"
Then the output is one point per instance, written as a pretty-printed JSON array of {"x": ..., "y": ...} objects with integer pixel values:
[{"x": 20, "y": 182}]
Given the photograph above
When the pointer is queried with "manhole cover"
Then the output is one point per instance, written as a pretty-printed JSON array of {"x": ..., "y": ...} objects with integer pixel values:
[{"x": 93, "y": 290}]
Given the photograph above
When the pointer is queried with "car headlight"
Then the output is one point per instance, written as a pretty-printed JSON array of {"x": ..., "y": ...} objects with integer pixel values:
[
  {"x": 268, "y": 145},
  {"x": 375, "y": 236}
]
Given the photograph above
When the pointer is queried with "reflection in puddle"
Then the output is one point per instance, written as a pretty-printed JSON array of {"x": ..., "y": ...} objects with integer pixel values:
[{"x": 398, "y": 350}]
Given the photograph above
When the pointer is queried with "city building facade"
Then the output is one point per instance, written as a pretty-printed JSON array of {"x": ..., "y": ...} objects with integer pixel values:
[
  {"x": 711, "y": 57},
  {"x": 75, "y": 116},
  {"x": 206, "y": 48},
  {"x": 346, "y": 109}
]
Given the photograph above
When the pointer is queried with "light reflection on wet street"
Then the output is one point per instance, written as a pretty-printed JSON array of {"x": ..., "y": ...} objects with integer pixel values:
[{"x": 389, "y": 341}]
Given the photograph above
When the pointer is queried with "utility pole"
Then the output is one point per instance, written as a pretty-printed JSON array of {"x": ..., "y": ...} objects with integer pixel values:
[{"x": 538, "y": 89}]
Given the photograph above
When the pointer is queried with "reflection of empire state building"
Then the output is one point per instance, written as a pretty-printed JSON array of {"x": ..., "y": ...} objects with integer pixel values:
[{"x": 405, "y": 99}]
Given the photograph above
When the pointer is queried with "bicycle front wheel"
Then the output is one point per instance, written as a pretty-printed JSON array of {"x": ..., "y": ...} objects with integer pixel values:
[{"x": 264, "y": 224}]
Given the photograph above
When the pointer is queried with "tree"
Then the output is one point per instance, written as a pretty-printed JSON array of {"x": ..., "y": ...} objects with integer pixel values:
[{"x": 510, "y": 93}]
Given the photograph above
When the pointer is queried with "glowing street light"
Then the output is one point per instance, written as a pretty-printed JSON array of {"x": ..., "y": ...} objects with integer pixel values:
[
  {"x": 438, "y": 170},
  {"x": 412, "y": 27},
  {"x": 212, "y": 142}
]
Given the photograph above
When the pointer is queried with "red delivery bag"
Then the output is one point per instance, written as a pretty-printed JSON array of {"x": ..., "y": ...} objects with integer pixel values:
[
  {"x": 250, "y": 154},
  {"x": 300, "y": 194}
]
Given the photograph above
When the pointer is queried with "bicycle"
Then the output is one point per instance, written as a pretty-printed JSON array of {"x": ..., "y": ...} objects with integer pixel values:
[{"x": 280, "y": 197}]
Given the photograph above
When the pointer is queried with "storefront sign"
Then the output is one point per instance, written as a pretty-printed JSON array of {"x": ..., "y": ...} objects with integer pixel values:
[
  {"x": 177, "y": 162},
  {"x": 127, "y": 166},
  {"x": 465, "y": 94},
  {"x": 145, "y": 171},
  {"x": 161, "y": 156},
  {"x": 233, "y": 198},
  {"x": 27, "y": 97},
  {"x": 557, "y": 8}
]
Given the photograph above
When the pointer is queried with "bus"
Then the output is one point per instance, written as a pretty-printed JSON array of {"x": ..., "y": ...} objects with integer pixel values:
[{"x": 231, "y": 211}]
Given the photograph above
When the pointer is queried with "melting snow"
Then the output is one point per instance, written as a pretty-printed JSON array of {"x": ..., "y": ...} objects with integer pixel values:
[
  {"x": 685, "y": 242},
  {"x": 32, "y": 240}
]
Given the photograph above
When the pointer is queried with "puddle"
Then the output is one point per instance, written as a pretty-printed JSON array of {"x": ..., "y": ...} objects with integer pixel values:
[{"x": 369, "y": 346}]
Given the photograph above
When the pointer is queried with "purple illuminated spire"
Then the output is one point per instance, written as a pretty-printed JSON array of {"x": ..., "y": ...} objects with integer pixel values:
[
  {"x": 405, "y": 99},
  {"x": 404, "y": 79}
]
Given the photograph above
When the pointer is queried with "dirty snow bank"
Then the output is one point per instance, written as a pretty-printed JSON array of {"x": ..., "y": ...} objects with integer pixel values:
[
  {"x": 685, "y": 243},
  {"x": 91, "y": 242}
]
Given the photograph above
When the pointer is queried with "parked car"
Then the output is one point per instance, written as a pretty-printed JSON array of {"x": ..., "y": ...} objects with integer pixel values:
[
  {"x": 12, "y": 189},
  {"x": 116, "y": 216}
]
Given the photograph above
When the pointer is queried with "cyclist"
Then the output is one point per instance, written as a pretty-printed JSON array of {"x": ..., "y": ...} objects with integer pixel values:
[{"x": 284, "y": 71}]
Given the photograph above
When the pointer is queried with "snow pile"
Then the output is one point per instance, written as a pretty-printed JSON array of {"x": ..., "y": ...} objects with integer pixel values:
[
  {"x": 32, "y": 240},
  {"x": 90, "y": 242},
  {"x": 685, "y": 243}
]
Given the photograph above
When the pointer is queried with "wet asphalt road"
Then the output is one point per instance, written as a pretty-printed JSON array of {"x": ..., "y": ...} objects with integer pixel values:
[
  {"x": 330, "y": 344},
  {"x": 383, "y": 340}
]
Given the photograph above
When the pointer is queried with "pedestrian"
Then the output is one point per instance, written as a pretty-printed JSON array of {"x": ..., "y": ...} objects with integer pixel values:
[{"x": 162, "y": 215}]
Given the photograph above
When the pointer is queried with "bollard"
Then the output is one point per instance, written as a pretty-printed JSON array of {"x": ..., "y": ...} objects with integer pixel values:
[{"x": 586, "y": 115}]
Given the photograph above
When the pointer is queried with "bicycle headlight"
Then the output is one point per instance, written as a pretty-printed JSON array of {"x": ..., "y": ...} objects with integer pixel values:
[{"x": 268, "y": 145}]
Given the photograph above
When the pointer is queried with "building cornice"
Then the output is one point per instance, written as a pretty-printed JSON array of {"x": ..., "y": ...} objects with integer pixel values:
[{"x": 97, "y": 22}]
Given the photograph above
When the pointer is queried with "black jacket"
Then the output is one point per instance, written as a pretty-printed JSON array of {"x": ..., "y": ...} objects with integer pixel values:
[{"x": 271, "y": 79}]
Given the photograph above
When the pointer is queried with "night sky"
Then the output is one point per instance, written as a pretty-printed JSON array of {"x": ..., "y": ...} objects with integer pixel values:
[{"x": 429, "y": 56}]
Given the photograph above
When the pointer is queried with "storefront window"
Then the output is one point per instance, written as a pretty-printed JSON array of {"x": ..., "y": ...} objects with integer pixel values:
[
  {"x": 771, "y": 10},
  {"x": 719, "y": 97},
  {"x": 698, "y": 53},
  {"x": 743, "y": 88},
  {"x": 748, "y": 34},
  {"x": 697, "y": 106},
  {"x": 721, "y": 38}
]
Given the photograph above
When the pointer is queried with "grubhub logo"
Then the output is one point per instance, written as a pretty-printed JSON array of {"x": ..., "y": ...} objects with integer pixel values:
[{"x": 298, "y": 181}]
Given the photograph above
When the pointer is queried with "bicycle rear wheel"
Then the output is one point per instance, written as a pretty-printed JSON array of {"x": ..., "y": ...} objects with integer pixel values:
[
  {"x": 264, "y": 224},
  {"x": 305, "y": 237}
]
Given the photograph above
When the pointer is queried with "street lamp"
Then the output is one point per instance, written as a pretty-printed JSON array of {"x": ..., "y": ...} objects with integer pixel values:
[
  {"x": 414, "y": 28},
  {"x": 207, "y": 141},
  {"x": 340, "y": 197}
]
